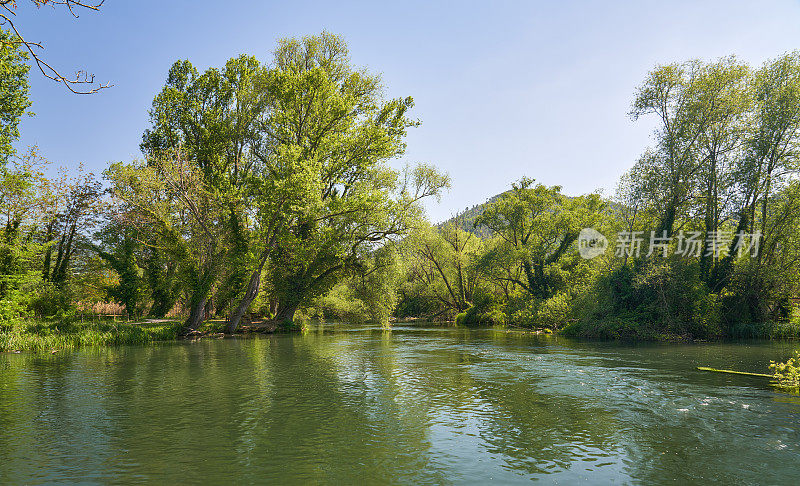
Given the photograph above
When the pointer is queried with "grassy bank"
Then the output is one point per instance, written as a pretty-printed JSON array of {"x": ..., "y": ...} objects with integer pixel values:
[
  {"x": 631, "y": 330},
  {"x": 59, "y": 335}
]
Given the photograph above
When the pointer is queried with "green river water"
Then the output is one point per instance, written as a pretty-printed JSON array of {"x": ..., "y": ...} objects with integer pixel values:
[{"x": 345, "y": 404}]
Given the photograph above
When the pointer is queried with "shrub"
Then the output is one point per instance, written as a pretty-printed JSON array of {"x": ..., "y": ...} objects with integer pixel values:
[
  {"x": 554, "y": 312},
  {"x": 52, "y": 300},
  {"x": 787, "y": 375},
  {"x": 477, "y": 315}
]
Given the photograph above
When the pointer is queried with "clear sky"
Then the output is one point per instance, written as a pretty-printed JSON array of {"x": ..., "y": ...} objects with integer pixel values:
[{"x": 503, "y": 89}]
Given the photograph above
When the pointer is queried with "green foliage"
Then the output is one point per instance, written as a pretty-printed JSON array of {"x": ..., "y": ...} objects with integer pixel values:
[
  {"x": 441, "y": 270},
  {"x": 487, "y": 310},
  {"x": 526, "y": 273},
  {"x": 211, "y": 122},
  {"x": 724, "y": 160},
  {"x": 73, "y": 217},
  {"x": 25, "y": 198},
  {"x": 162, "y": 280},
  {"x": 130, "y": 289},
  {"x": 331, "y": 126},
  {"x": 51, "y": 300},
  {"x": 555, "y": 312},
  {"x": 492, "y": 315},
  {"x": 785, "y": 330},
  {"x": 648, "y": 300},
  {"x": 465, "y": 220},
  {"x": 291, "y": 159},
  {"x": 185, "y": 216},
  {"x": 340, "y": 304},
  {"x": 19, "y": 281},
  {"x": 13, "y": 93},
  {"x": 269, "y": 188},
  {"x": 412, "y": 303},
  {"x": 367, "y": 295},
  {"x": 787, "y": 374},
  {"x": 536, "y": 228}
]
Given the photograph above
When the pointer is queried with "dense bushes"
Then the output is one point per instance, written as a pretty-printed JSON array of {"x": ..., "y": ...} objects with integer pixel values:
[
  {"x": 650, "y": 299},
  {"x": 483, "y": 313},
  {"x": 51, "y": 300},
  {"x": 668, "y": 300},
  {"x": 370, "y": 293}
]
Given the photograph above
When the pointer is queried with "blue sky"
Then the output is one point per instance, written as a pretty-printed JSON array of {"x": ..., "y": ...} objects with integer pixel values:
[{"x": 503, "y": 89}]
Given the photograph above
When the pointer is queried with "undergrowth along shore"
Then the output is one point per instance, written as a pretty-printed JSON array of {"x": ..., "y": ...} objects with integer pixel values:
[
  {"x": 52, "y": 336},
  {"x": 627, "y": 330},
  {"x": 56, "y": 335}
]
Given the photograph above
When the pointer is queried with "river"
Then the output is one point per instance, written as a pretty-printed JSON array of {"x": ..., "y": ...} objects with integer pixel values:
[{"x": 349, "y": 404}]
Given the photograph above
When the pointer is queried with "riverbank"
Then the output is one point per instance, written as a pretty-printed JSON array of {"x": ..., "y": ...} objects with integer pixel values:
[
  {"x": 619, "y": 329},
  {"x": 56, "y": 335}
]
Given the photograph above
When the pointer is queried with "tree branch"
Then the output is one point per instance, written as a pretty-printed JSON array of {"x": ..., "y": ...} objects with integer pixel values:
[{"x": 81, "y": 78}]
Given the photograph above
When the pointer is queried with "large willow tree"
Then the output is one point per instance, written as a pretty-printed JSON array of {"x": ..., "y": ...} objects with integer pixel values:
[
  {"x": 325, "y": 193},
  {"x": 291, "y": 174}
]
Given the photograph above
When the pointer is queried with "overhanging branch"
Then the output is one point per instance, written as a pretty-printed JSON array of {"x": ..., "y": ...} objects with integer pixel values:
[{"x": 81, "y": 78}]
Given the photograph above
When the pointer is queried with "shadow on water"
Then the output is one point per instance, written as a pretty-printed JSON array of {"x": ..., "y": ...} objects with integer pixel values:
[{"x": 414, "y": 404}]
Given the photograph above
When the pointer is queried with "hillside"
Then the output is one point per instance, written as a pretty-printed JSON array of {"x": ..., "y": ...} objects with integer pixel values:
[{"x": 466, "y": 219}]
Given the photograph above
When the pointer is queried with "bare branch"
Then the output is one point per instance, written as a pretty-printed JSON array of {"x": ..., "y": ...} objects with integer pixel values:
[{"x": 81, "y": 78}]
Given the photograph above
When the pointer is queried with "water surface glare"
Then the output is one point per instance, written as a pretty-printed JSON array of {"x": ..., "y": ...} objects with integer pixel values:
[{"x": 415, "y": 405}]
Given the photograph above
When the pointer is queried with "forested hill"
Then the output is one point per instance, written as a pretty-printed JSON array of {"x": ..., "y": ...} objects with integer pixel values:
[{"x": 466, "y": 219}]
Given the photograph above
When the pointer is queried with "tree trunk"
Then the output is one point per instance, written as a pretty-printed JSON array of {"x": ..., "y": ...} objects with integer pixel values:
[
  {"x": 668, "y": 221},
  {"x": 285, "y": 314},
  {"x": 249, "y": 296},
  {"x": 273, "y": 307},
  {"x": 195, "y": 317}
]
